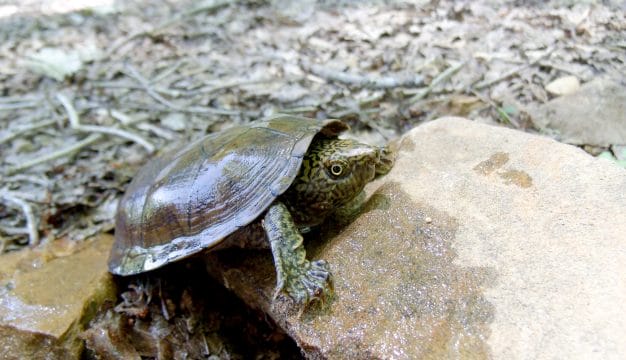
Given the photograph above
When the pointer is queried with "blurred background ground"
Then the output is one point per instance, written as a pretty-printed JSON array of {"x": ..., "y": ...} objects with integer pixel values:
[{"x": 89, "y": 90}]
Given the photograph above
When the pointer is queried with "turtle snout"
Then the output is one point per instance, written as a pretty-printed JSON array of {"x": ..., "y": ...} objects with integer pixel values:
[
  {"x": 370, "y": 162},
  {"x": 384, "y": 161}
]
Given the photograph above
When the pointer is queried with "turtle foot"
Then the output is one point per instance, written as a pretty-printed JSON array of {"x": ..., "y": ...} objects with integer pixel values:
[{"x": 312, "y": 282}]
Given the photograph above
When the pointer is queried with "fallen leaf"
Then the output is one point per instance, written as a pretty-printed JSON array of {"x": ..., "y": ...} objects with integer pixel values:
[{"x": 54, "y": 63}]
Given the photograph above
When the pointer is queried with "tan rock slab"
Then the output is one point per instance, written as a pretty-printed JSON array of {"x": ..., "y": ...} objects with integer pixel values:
[
  {"x": 593, "y": 115},
  {"x": 48, "y": 295},
  {"x": 482, "y": 242}
]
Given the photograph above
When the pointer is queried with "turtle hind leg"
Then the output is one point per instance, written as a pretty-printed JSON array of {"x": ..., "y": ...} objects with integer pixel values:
[{"x": 303, "y": 280}]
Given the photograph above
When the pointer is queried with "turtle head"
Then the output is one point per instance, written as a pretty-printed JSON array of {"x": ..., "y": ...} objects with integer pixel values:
[{"x": 333, "y": 172}]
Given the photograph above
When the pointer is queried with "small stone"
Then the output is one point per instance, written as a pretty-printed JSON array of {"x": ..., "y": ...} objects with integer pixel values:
[
  {"x": 46, "y": 299},
  {"x": 175, "y": 121},
  {"x": 563, "y": 86}
]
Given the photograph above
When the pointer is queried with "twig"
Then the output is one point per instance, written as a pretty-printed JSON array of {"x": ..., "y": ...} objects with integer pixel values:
[
  {"x": 17, "y": 99},
  {"x": 207, "y": 89},
  {"x": 120, "y": 116},
  {"x": 371, "y": 100},
  {"x": 192, "y": 70},
  {"x": 12, "y": 230},
  {"x": 382, "y": 82},
  {"x": 31, "y": 224},
  {"x": 114, "y": 85},
  {"x": 445, "y": 75},
  {"x": 499, "y": 109},
  {"x": 91, "y": 139},
  {"x": 55, "y": 155},
  {"x": 166, "y": 134},
  {"x": 76, "y": 125},
  {"x": 168, "y": 71},
  {"x": 298, "y": 110},
  {"x": 31, "y": 195},
  {"x": 347, "y": 111},
  {"x": 18, "y": 105},
  {"x": 133, "y": 73},
  {"x": 119, "y": 133},
  {"x": 190, "y": 110},
  {"x": 561, "y": 69},
  {"x": 33, "y": 179},
  {"x": 147, "y": 86},
  {"x": 513, "y": 71},
  {"x": 207, "y": 6},
  {"x": 12, "y": 135},
  {"x": 72, "y": 115},
  {"x": 127, "y": 120}
]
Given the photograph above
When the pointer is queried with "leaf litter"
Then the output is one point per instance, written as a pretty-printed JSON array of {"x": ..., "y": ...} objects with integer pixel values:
[{"x": 87, "y": 96}]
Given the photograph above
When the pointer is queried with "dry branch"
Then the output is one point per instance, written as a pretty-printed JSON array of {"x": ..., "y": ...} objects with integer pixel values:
[
  {"x": 514, "y": 71},
  {"x": 12, "y": 135},
  {"x": 76, "y": 125},
  {"x": 364, "y": 81},
  {"x": 18, "y": 105},
  {"x": 31, "y": 223},
  {"x": 146, "y": 85},
  {"x": 55, "y": 155},
  {"x": 445, "y": 75},
  {"x": 204, "y": 7}
]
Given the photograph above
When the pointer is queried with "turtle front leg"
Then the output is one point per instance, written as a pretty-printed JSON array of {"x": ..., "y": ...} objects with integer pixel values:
[{"x": 302, "y": 280}]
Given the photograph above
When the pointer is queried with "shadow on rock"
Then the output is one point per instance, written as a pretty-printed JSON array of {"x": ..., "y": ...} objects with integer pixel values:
[{"x": 180, "y": 312}]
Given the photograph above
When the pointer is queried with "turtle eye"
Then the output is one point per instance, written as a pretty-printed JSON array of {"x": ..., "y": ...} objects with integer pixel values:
[{"x": 338, "y": 168}]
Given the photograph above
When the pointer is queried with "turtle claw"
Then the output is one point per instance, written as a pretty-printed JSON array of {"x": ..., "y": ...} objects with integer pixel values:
[{"x": 313, "y": 282}]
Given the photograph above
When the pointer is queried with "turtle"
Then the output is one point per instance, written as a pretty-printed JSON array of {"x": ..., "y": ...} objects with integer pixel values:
[{"x": 256, "y": 185}]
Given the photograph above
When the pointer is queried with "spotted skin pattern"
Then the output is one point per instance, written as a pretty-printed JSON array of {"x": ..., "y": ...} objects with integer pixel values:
[
  {"x": 333, "y": 173},
  {"x": 301, "y": 279}
]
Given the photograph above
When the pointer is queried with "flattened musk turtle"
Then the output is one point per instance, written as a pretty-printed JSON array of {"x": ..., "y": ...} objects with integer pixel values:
[{"x": 255, "y": 185}]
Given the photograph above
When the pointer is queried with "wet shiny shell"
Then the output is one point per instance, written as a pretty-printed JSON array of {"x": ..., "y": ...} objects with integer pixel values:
[{"x": 190, "y": 200}]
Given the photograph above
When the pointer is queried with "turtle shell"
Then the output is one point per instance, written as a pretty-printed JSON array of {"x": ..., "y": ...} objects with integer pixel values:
[{"x": 190, "y": 200}]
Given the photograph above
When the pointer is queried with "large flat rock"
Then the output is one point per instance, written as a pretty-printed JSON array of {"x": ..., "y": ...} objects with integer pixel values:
[
  {"x": 48, "y": 295},
  {"x": 481, "y": 242}
]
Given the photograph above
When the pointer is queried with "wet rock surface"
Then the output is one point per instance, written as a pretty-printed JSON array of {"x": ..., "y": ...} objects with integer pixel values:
[
  {"x": 48, "y": 295},
  {"x": 507, "y": 246}
]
